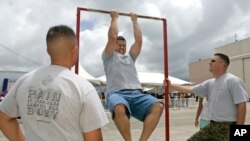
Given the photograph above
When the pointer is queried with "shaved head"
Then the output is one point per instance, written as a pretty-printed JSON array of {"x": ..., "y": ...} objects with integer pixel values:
[
  {"x": 61, "y": 40},
  {"x": 56, "y": 32}
]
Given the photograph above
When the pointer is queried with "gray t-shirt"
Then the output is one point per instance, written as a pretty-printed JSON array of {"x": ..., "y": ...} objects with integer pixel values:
[
  {"x": 55, "y": 105},
  {"x": 120, "y": 72},
  {"x": 223, "y": 95}
]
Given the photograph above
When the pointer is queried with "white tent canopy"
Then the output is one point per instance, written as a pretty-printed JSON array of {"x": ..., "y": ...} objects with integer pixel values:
[
  {"x": 153, "y": 79},
  {"x": 83, "y": 73},
  {"x": 157, "y": 79}
]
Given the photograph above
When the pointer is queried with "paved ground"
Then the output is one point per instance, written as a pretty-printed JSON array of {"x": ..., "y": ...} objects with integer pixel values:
[{"x": 181, "y": 126}]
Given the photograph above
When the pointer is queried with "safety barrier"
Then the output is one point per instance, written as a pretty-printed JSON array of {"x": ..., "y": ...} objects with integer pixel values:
[{"x": 177, "y": 103}]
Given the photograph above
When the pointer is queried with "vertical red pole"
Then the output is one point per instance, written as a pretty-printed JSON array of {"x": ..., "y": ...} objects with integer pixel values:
[
  {"x": 166, "y": 76},
  {"x": 78, "y": 15}
]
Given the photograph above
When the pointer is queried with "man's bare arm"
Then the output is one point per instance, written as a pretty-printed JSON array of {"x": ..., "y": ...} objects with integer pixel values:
[
  {"x": 112, "y": 33},
  {"x": 179, "y": 88},
  {"x": 241, "y": 113},
  {"x": 10, "y": 128},
  {"x": 136, "y": 46},
  {"x": 95, "y": 135}
]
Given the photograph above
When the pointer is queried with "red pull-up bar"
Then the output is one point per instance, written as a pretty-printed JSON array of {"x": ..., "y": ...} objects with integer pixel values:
[
  {"x": 120, "y": 13},
  {"x": 79, "y": 9}
]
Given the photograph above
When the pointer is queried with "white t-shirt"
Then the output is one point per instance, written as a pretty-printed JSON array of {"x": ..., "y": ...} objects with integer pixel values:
[
  {"x": 120, "y": 72},
  {"x": 224, "y": 93},
  {"x": 55, "y": 105}
]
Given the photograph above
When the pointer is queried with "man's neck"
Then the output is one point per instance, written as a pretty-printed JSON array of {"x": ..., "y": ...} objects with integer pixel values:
[
  {"x": 58, "y": 63},
  {"x": 216, "y": 76}
]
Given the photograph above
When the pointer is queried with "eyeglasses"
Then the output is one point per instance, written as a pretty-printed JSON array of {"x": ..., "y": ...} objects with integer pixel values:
[{"x": 213, "y": 60}]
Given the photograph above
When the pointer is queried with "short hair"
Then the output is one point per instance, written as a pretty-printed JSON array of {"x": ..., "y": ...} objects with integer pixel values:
[
  {"x": 120, "y": 38},
  {"x": 223, "y": 57},
  {"x": 58, "y": 31}
]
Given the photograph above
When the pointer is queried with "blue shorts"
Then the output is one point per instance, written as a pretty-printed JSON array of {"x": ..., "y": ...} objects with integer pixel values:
[{"x": 137, "y": 103}]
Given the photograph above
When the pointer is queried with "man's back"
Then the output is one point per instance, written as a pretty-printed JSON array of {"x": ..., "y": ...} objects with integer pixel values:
[{"x": 55, "y": 104}]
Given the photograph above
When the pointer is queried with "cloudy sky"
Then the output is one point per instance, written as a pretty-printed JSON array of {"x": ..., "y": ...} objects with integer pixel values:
[{"x": 195, "y": 28}]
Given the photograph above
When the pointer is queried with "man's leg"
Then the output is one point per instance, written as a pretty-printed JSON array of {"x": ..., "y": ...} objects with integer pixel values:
[
  {"x": 122, "y": 121},
  {"x": 212, "y": 132},
  {"x": 151, "y": 121},
  {"x": 203, "y": 134}
]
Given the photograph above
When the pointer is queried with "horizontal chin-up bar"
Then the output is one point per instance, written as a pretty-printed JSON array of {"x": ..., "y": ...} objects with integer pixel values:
[{"x": 120, "y": 13}]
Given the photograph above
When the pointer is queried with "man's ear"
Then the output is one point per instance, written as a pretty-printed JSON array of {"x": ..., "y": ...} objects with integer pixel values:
[{"x": 74, "y": 52}]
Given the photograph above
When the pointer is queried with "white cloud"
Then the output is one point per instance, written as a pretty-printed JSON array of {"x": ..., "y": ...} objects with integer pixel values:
[
  {"x": 185, "y": 3},
  {"x": 195, "y": 28}
]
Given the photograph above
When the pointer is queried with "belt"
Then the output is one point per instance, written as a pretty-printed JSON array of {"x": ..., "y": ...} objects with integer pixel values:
[
  {"x": 222, "y": 122},
  {"x": 130, "y": 89}
]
